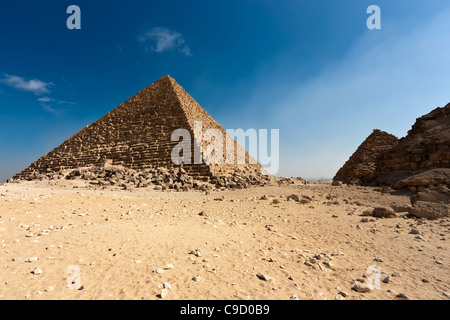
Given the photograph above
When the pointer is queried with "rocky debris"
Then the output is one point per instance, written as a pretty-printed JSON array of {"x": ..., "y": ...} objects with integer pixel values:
[
  {"x": 426, "y": 179},
  {"x": 196, "y": 278},
  {"x": 432, "y": 203},
  {"x": 196, "y": 252},
  {"x": 440, "y": 193},
  {"x": 305, "y": 199},
  {"x": 430, "y": 210},
  {"x": 362, "y": 164},
  {"x": 159, "y": 178}
]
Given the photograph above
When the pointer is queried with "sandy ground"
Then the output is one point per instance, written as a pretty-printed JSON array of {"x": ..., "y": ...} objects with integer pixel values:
[{"x": 55, "y": 238}]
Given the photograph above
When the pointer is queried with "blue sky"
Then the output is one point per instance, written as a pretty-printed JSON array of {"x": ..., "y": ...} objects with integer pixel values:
[{"x": 311, "y": 69}]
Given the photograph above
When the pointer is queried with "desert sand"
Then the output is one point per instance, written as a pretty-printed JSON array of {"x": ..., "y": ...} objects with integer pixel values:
[{"x": 213, "y": 245}]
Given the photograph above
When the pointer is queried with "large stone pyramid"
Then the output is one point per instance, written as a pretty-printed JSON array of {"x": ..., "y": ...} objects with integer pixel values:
[{"x": 137, "y": 135}]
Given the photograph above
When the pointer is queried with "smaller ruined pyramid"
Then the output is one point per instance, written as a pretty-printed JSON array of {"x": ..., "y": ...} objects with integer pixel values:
[
  {"x": 137, "y": 135},
  {"x": 385, "y": 160},
  {"x": 362, "y": 165}
]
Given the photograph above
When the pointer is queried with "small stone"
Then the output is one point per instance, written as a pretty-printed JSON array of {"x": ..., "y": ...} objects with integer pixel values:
[
  {"x": 414, "y": 231},
  {"x": 392, "y": 291},
  {"x": 343, "y": 293},
  {"x": 262, "y": 276},
  {"x": 158, "y": 271},
  {"x": 294, "y": 297},
  {"x": 167, "y": 286},
  {"x": 383, "y": 212},
  {"x": 164, "y": 293},
  {"x": 196, "y": 278},
  {"x": 402, "y": 296},
  {"x": 168, "y": 266},
  {"x": 361, "y": 287},
  {"x": 387, "y": 279},
  {"x": 36, "y": 271}
]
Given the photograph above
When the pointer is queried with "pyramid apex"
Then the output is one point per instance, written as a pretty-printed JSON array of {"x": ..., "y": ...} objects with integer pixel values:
[{"x": 167, "y": 78}]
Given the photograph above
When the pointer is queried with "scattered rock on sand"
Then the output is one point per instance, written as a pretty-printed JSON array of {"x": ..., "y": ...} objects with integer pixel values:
[
  {"x": 430, "y": 210},
  {"x": 36, "y": 271},
  {"x": 262, "y": 276},
  {"x": 383, "y": 212},
  {"x": 361, "y": 287},
  {"x": 164, "y": 293}
]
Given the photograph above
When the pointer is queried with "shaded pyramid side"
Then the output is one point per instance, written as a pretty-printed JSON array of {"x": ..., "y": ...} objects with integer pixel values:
[
  {"x": 195, "y": 113},
  {"x": 362, "y": 165}
]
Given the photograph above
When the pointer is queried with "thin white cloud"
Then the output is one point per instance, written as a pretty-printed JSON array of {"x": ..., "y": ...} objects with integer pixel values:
[
  {"x": 46, "y": 107},
  {"x": 45, "y": 99},
  {"x": 34, "y": 85},
  {"x": 66, "y": 102},
  {"x": 37, "y": 87},
  {"x": 163, "y": 39}
]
